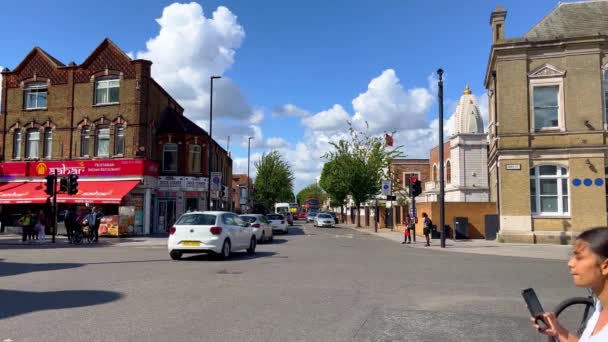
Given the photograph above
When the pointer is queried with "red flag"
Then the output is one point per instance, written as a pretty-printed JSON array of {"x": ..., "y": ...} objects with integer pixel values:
[{"x": 389, "y": 139}]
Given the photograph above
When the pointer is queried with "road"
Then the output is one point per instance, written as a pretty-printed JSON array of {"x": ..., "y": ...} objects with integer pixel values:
[{"x": 315, "y": 284}]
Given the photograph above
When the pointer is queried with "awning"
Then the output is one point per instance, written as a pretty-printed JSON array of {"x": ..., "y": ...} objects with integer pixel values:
[
  {"x": 22, "y": 192},
  {"x": 110, "y": 192}
]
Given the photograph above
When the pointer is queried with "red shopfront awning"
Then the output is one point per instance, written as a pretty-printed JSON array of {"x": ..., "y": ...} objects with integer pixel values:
[
  {"x": 110, "y": 192},
  {"x": 99, "y": 192}
]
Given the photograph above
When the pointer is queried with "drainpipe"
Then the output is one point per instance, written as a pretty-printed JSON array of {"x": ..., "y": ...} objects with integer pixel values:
[{"x": 497, "y": 152}]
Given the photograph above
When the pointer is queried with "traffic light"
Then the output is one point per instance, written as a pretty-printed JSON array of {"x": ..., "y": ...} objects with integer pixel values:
[
  {"x": 415, "y": 186},
  {"x": 50, "y": 185},
  {"x": 63, "y": 184},
  {"x": 72, "y": 184}
]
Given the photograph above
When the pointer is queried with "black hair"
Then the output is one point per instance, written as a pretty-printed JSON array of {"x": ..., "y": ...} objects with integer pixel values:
[
  {"x": 597, "y": 238},
  {"x": 425, "y": 215}
]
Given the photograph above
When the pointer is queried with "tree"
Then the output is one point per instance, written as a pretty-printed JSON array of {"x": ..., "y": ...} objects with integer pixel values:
[
  {"x": 335, "y": 184},
  {"x": 312, "y": 190},
  {"x": 273, "y": 181},
  {"x": 363, "y": 160}
]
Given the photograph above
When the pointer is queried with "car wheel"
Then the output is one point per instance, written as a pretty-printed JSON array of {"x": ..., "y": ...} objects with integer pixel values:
[
  {"x": 175, "y": 255},
  {"x": 252, "y": 245},
  {"x": 225, "y": 250}
]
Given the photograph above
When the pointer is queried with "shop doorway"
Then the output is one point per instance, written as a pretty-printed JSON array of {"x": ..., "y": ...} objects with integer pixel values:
[
  {"x": 166, "y": 215},
  {"x": 192, "y": 204}
]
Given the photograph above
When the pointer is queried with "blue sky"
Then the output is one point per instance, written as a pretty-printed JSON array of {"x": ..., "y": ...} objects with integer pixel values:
[{"x": 320, "y": 57}]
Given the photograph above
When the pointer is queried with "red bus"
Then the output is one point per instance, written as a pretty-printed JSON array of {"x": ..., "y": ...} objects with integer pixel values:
[{"x": 309, "y": 204}]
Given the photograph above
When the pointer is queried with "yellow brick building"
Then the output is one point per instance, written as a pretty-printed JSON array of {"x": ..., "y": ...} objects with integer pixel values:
[{"x": 548, "y": 124}]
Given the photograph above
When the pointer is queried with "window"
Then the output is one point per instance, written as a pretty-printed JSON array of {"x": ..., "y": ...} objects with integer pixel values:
[
  {"x": 107, "y": 90},
  {"x": 549, "y": 190},
  {"x": 48, "y": 143},
  {"x": 448, "y": 172},
  {"x": 546, "y": 106},
  {"x": 84, "y": 141},
  {"x": 119, "y": 141},
  {"x": 606, "y": 93},
  {"x": 170, "y": 158},
  {"x": 17, "y": 144},
  {"x": 35, "y": 95},
  {"x": 102, "y": 142},
  {"x": 435, "y": 178},
  {"x": 195, "y": 158},
  {"x": 32, "y": 141}
]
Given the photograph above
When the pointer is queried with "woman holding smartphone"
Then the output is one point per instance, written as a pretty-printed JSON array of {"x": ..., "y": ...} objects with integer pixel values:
[{"x": 589, "y": 268}]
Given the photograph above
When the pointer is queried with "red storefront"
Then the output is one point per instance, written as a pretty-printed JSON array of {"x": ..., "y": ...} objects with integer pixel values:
[{"x": 112, "y": 184}]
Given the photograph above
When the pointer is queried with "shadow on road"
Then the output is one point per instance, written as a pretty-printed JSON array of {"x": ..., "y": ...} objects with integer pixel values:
[
  {"x": 237, "y": 256},
  {"x": 276, "y": 241},
  {"x": 15, "y": 303},
  {"x": 296, "y": 230},
  {"x": 14, "y": 268}
]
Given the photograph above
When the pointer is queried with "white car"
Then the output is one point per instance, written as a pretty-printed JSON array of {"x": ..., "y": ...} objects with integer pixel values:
[
  {"x": 277, "y": 223},
  {"x": 217, "y": 232},
  {"x": 324, "y": 220},
  {"x": 261, "y": 226}
]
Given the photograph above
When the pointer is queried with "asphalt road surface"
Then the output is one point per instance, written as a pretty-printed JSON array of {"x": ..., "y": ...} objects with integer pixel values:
[{"x": 315, "y": 284}]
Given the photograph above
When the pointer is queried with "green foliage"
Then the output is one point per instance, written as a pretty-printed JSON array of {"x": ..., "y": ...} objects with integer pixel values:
[
  {"x": 273, "y": 181},
  {"x": 312, "y": 190},
  {"x": 333, "y": 182}
]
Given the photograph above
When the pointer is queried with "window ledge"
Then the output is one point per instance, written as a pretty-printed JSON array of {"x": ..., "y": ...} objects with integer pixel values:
[
  {"x": 118, "y": 156},
  {"x": 556, "y": 216},
  {"x": 35, "y": 109},
  {"x": 106, "y": 104}
]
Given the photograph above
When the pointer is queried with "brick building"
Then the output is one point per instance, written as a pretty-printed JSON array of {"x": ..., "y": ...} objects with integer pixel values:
[
  {"x": 239, "y": 185},
  {"x": 100, "y": 120}
]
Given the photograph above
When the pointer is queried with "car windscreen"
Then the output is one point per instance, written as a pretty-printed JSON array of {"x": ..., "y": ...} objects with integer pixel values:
[
  {"x": 249, "y": 219},
  {"x": 274, "y": 217},
  {"x": 197, "y": 219},
  {"x": 324, "y": 216}
]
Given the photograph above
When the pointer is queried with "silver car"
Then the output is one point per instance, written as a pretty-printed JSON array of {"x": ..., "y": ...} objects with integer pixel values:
[{"x": 324, "y": 220}]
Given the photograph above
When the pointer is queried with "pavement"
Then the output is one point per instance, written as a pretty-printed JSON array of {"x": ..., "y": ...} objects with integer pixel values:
[
  {"x": 477, "y": 246},
  {"x": 314, "y": 284}
]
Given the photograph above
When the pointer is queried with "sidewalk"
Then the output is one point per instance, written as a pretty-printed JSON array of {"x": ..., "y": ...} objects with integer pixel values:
[
  {"x": 485, "y": 247},
  {"x": 8, "y": 239}
]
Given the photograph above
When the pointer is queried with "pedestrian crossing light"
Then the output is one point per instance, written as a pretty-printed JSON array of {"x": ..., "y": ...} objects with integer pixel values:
[
  {"x": 63, "y": 185},
  {"x": 415, "y": 186},
  {"x": 50, "y": 185},
  {"x": 72, "y": 184}
]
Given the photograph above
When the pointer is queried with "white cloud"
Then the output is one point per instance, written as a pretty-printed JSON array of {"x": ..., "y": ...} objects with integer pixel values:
[
  {"x": 289, "y": 110},
  {"x": 257, "y": 117},
  {"x": 190, "y": 48},
  {"x": 329, "y": 120},
  {"x": 239, "y": 165},
  {"x": 276, "y": 143}
]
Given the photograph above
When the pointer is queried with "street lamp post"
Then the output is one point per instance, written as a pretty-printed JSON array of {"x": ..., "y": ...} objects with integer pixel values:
[
  {"x": 210, "y": 140},
  {"x": 441, "y": 180},
  {"x": 249, "y": 202}
]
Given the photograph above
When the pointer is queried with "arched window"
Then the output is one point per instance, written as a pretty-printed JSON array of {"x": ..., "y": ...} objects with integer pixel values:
[
  {"x": 48, "y": 143},
  {"x": 549, "y": 190},
  {"x": 170, "y": 158},
  {"x": 448, "y": 172},
  {"x": 119, "y": 141},
  {"x": 435, "y": 178},
  {"x": 107, "y": 90},
  {"x": 17, "y": 144},
  {"x": 35, "y": 95},
  {"x": 32, "y": 142},
  {"x": 84, "y": 141}
]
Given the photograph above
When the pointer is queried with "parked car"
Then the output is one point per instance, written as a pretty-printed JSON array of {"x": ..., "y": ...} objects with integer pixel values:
[
  {"x": 217, "y": 232},
  {"x": 277, "y": 223},
  {"x": 311, "y": 216},
  {"x": 302, "y": 215},
  {"x": 324, "y": 220},
  {"x": 261, "y": 226}
]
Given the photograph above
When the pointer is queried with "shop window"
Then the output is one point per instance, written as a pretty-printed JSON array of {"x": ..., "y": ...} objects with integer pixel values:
[
  {"x": 549, "y": 190},
  {"x": 170, "y": 158},
  {"x": 102, "y": 142},
  {"x": 48, "y": 143},
  {"x": 32, "y": 142},
  {"x": 107, "y": 90},
  {"x": 17, "y": 144},
  {"x": 84, "y": 141},
  {"x": 194, "y": 158},
  {"x": 35, "y": 95},
  {"x": 119, "y": 141}
]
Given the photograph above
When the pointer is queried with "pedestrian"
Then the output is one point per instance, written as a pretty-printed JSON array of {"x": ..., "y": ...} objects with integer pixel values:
[
  {"x": 406, "y": 231},
  {"x": 39, "y": 228},
  {"x": 39, "y": 220},
  {"x": 69, "y": 220},
  {"x": 98, "y": 216},
  {"x": 24, "y": 222},
  {"x": 427, "y": 226},
  {"x": 589, "y": 269},
  {"x": 90, "y": 221}
]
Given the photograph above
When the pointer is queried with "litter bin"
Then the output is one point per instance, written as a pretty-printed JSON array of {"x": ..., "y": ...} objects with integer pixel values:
[{"x": 461, "y": 228}]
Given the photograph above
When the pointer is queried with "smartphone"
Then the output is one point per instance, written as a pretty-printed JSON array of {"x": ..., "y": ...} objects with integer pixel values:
[{"x": 536, "y": 310}]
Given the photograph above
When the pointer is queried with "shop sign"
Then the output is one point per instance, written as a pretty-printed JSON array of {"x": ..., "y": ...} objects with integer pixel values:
[
  {"x": 195, "y": 184},
  {"x": 97, "y": 168},
  {"x": 182, "y": 183},
  {"x": 170, "y": 183}
]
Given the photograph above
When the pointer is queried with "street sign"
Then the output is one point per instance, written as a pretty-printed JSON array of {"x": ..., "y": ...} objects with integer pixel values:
[
  {"x": 386, "y": 187},
  {"x": 216, "y": 181},
  {"x": 412, "y": 211}
]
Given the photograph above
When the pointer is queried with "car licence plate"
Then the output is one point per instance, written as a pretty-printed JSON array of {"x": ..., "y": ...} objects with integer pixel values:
[{"x": 191, "y": 243}]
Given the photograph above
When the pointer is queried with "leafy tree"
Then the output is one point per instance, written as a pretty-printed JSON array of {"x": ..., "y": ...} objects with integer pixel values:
[
  {"x": 363, "y": 160},
  {"x": 273, "y": 181},
  {"x": 312, "y": 190},
  {"x": 335, "y": 184}
]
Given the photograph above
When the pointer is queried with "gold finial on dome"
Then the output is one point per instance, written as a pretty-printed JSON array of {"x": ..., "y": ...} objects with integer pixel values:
[{"x": 467, "y": 90}]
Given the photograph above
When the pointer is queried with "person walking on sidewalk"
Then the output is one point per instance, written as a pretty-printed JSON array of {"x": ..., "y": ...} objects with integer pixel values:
[
  {"x": 407, "y": 234},
  {"x": 427, "y": 225}
]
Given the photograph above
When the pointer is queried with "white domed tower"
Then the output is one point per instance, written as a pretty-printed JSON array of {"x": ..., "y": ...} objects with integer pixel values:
[{"x": 466, "y": 170}]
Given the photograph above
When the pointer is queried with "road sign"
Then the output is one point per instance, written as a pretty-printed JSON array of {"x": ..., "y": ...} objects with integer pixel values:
[
  {"x": 386, "y": 187},
  {"x": 412, "y": 211},
  {"x": 216, "y": 181}
]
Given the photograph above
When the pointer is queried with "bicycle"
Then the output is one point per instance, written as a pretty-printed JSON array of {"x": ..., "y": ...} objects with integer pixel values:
[{"x": 571, "y": 310}]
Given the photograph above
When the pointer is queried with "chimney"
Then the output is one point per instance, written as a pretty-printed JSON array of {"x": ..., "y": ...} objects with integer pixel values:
[{"x": 497, "y": 21}]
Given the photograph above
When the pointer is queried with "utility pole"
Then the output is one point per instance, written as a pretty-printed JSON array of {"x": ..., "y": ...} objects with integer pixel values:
[
  {"x": 210, "y": 141},
  {"x": 54, "y": 209},
  {"x": 441, "y": 166},
  {"x": 249, "y": 202}
]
